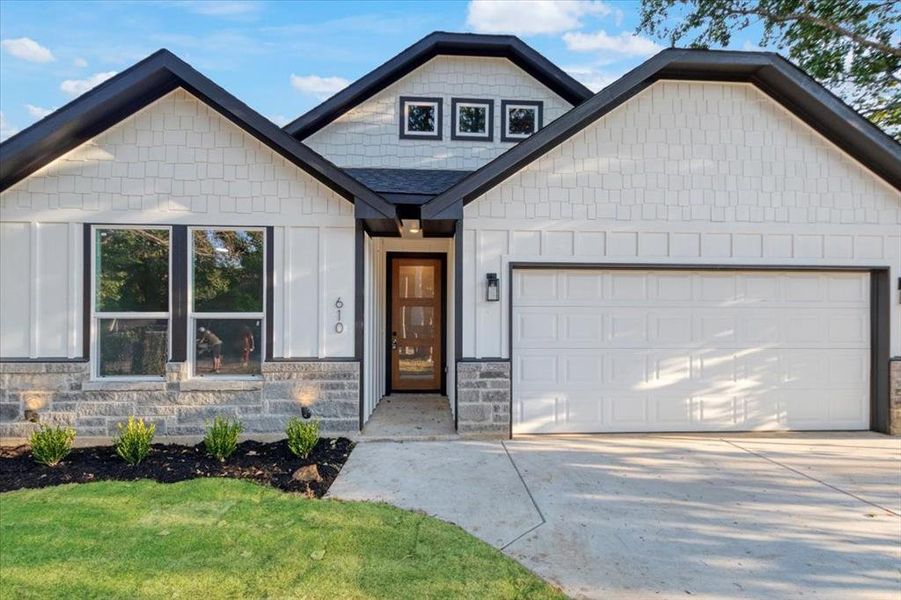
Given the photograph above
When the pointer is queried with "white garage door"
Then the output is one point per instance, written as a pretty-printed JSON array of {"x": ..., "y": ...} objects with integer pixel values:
[{"x": 639, "y": 350}]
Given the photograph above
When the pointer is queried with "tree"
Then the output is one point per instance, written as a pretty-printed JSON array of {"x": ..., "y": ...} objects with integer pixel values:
[{"x": 851, "y": 46}]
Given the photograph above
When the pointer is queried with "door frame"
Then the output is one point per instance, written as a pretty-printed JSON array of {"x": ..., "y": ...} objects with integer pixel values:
[
  {"x": 880, "y": 315},
  {"x": 389, "y": 283}
]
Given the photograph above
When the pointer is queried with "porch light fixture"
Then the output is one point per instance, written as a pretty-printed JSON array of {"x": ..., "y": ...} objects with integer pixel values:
[
  {"x": 411, "y": 228},
  {"x": 493, "y": 291}
]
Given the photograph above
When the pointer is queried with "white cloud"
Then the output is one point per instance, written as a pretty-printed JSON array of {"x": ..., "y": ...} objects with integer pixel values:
[
  {"x": 27, "y": 49},
  {"x": 7, "y": 129},
  {"x": 591, "y": 78},
  {"x": 623, "y": 43},
  {"x": 77, "y": 87},
  {"x": 280, "y": 120},
  {"x": 38, "y": 112},
  {"x": 321, "y": 87},
  {"x": 80, "y": 62},
  {"x": 532, "y": 17}
]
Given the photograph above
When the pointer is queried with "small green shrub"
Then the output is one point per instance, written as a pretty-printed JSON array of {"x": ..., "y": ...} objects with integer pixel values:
[
  {"x": 221, "y": 437},
  {"x": 49, "y": 445},
  {"x": 133, "y": 443},
  {"x": 302, "y": 436}
]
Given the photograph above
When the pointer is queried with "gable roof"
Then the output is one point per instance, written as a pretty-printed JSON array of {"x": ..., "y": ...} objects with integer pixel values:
[
  {"x": 432, "y": 45},
  {"x": 777, "y": 77},
  {"x": 136, "y": 87}
]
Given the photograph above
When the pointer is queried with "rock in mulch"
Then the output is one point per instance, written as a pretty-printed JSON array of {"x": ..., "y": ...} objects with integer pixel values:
[
  {"x": 307, "y": 473},
  {"x": 267, "y": 463}
]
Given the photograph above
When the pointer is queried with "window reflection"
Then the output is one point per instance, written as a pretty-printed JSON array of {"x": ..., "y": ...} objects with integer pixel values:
[{"x": 227, "y": 346}]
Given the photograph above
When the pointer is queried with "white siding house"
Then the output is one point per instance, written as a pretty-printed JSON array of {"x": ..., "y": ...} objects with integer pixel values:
[{"x": 466, "y": 221}]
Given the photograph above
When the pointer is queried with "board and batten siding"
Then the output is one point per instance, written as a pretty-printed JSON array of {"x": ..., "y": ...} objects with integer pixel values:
[
  {"x": 177, "y": 161},
  {"x": 367, "y": 135},
  {"x": 682, "y": 173}
]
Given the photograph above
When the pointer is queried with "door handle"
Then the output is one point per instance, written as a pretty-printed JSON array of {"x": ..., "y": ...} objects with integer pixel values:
[{"x": 394, "y": 340}]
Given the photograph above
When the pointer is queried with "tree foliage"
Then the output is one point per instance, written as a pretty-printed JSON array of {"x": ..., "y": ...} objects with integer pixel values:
[
  {"x": 133, "y": 270},
  {"x": 228, "y": 270},
  {"x": 851, "y": 46}
]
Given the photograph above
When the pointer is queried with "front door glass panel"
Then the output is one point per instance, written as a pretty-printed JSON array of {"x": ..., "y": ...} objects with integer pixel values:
[{"x": 415, "y": 324}]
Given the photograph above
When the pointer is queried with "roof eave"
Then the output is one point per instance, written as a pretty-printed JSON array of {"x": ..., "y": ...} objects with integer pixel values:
[
  {"x": 435, "y": 44},
  {"x": 774, "y": 75},
  {"x": 135, "y": 88}
]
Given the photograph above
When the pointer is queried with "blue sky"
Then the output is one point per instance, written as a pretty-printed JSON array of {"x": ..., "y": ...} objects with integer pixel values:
[{"x": 283, "y": 58}]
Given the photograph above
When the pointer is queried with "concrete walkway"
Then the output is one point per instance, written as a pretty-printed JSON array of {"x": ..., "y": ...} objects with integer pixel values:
[
  {"x": 664, "y": 516},
  {"x": 411, "y": 417}
]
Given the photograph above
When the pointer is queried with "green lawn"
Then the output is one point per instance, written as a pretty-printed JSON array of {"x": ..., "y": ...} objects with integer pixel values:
[{"x": 213, "y": 538}]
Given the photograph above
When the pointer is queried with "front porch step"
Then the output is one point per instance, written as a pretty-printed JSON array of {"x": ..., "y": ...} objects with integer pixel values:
[{"x": 410, "y": 417}]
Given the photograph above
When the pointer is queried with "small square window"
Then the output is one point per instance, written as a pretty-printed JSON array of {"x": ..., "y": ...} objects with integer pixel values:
[
  {"x": 420, "y": 118},
  {"x": 520, "y": 119},
  {"x": 472, "y": 119}
]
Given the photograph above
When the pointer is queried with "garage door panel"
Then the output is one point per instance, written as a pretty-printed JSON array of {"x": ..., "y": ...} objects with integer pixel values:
[{"x": 691, "y": 351}]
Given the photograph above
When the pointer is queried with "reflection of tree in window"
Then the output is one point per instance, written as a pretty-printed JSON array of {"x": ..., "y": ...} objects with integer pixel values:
[
  {"x": 420, "y": 117},
  {"x": 472, "y": 119},
  {"x": 133, "y": 270},
  {"x": 521, "y": 121},
  {"x": 228, "y": 271}
]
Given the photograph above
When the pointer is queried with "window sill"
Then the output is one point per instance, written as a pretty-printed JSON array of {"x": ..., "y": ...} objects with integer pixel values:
[
  {"x": 205, "y": 385},
  {"x": 123, "y": 386}
]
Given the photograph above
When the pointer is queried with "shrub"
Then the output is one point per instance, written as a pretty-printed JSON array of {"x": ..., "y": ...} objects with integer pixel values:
[
  {"x": 302, "y": 436},
  {"x": 221, "y": 437},
  {"x": 49, "y": 445},
  {"x": 133, "y": 443}
]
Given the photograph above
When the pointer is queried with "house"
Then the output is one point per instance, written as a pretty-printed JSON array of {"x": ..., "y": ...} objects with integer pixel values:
[{"x": 712, "y": 242}]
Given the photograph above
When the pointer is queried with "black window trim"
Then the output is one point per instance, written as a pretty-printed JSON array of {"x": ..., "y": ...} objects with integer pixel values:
[
  {"x": 539, "y": 118},
  {"x": 402, "y": 118},
  {"x": 488, "y": 136}
]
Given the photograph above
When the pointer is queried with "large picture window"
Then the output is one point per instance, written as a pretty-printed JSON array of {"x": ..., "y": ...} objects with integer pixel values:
[
  {"x": 226, "y": 301},
  {"x": 130, "y": 301}
]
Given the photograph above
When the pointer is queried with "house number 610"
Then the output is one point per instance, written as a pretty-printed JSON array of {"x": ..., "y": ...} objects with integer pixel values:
[{"x": 339, "y": 326}]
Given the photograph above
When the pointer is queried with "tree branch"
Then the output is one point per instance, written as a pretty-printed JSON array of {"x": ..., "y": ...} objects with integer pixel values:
[{"x": 811, "y": 18}]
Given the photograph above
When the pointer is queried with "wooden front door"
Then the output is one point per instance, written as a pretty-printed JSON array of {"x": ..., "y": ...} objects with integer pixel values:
[{"x": 415, "y": 323}]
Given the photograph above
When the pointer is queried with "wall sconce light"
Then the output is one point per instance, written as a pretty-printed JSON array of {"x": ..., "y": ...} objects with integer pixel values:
[{"x": 493, "y": 291}]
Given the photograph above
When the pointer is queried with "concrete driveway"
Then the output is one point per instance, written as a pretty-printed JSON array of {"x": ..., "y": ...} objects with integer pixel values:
[{"x": 664, "y": 516}]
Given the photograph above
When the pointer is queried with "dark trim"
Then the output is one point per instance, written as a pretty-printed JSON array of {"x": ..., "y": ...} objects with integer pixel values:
[
  {"x": 458, "y": 314},
  {"x": 55, "y": 359},
  {"x": 690, "y": 267},
  {"x": 879, "y": 317},
  {"x": 86, "y": 260},
  {"x": 178, "y": 246},
  {"x": 145, "y": 82},
  {"x": 389, "y": 281},
  {"x": 359, "y": 310},
  {"x": 539, "y": 118},
  {"x": 434, "y": 44},
  {"x": 402, "y": 117},
  {"x": 312, "y": 359},
  {"x": 772, "y": 74},
  {"x": 488, "y": 103},
  {"x": 270, "y": 290}
]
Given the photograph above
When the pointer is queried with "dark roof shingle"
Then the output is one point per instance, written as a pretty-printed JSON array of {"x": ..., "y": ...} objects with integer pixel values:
[{"x": 407, "y": 181}]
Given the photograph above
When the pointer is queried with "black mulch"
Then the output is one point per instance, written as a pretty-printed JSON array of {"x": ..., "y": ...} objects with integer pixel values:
[{"x": 267, "y": 463}]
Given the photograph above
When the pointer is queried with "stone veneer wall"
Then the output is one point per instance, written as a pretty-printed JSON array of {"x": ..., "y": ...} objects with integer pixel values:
[
  {"x": 894, "y": 392},
  {"x": 61, "y": 393},
  {"x": 483, "y": 398}
]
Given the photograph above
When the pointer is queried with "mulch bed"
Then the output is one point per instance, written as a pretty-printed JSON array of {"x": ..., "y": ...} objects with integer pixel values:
[{"x": 266, "y": 463}]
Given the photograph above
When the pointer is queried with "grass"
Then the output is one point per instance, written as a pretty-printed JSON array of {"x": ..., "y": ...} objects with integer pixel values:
[{"x": 216, "y": 538}]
